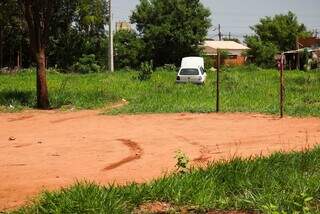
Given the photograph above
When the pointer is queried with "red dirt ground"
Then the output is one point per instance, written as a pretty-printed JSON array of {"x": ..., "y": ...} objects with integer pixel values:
[{"x": 49, "y": 150}]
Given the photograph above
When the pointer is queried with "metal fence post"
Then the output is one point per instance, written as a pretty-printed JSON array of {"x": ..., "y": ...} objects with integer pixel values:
[
  {"x": 218, "y": 82},
  {"x": 281, "y": 69}
]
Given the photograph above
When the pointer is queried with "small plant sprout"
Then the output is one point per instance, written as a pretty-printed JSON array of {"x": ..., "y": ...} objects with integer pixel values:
[{"x": 182, "y": 164}]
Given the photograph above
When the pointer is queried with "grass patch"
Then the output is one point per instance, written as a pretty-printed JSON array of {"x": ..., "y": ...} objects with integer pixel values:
[
  {"x": 281, "y": 183},
  {"x": 242, "y": 90}
]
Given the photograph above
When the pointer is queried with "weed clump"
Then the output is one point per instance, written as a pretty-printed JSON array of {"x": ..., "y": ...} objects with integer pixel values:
[
  {"x": 146, "y": 71},
  {"x": 182, "y": 164}
]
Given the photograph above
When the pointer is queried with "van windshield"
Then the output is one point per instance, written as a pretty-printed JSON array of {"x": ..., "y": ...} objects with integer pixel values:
[{"x": 189, "y": 71}]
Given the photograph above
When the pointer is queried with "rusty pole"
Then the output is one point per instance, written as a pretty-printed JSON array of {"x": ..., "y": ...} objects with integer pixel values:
[
  {"x": 281, "y": 69},
  {"x": 218, "y": 82},
  {"x": 298, "y": 54}
]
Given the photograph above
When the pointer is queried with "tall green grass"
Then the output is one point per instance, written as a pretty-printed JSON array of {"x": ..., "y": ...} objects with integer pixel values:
[
  {"x": 242, "y": 90},
  {"x": 281, "y": 183}
]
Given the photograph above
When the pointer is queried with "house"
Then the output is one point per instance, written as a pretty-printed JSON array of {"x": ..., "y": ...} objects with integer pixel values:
[
  {"x": 234, "y": 50},
  {"x": 296, "y": 58},
  {"x": 123, "y": 25},
  {"x": 309, "y": 42}
]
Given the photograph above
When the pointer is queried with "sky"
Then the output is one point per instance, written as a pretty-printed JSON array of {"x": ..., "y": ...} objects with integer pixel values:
[{"x": 235, "y": 16}]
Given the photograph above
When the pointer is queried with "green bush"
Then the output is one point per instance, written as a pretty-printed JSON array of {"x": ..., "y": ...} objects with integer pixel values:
[
  {"x": 146, "y": 71},
  {"x": 167, "y": 67},
  {"x": 209, "y": 62},
  {"x": 129, "y": 49},
  {"x": 86, "y": 64},
  {"x": 243, "y": 68}
]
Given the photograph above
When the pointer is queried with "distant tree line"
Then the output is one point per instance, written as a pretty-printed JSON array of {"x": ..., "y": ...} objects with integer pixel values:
[
  {"x": 273, "y": 35},
  {"x": 166, "y": 31},
  {"x": 76, "y": 28},
  {"x": 71, "y": 35}
]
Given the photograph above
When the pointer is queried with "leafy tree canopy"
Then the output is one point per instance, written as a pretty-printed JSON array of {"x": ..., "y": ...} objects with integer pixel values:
[
  {"x": 263, "y": 52},
  {"x": 281, "y": 30},
  {"x": 76, "y": 27},
  {"x": 171, "y": 29},
  {"x": 274, "y": 34},
  {"x": 129, "y": 48}
]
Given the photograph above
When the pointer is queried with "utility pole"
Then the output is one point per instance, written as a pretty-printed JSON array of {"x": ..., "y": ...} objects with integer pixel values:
[
  {"x": 229, "y": 35},
  {"x": 110, "y": 55},
  {"x": 220, "y": 35}
]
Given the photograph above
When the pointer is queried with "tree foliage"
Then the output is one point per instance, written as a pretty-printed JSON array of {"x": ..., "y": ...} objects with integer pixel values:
[
  {"x": 262, "y": 52},
  {"x": 87, "y": 64},
  {"x": 129, "y": 49},
  {"x": 273, "y": 34},
  {"x": 59, "y": 24},
  {"x": 78, "y": 28},
  {"x": 171, "y": 29},
  {"x": 13, "y": 35}
]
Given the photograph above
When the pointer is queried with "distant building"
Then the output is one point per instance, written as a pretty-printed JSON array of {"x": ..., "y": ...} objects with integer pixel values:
[
  {"x": 123, "y": 25},
  {"x": 235, "y": 51},
  {"x": 309, "y": 45},
  {"x": 310, "y": 42}
]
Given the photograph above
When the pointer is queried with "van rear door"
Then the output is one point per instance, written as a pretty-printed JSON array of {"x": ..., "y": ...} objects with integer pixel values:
[{"x": 189, "y": 74}]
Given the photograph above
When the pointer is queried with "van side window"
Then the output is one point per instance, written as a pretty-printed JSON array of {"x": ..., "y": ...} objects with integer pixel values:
[{"x": 202, "y": 70}]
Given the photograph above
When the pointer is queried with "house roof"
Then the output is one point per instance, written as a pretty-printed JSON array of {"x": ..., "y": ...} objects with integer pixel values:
[
  {"x": 301, "y": 50},
  {"x": 310, "y": 42},
  {"x": 224, "y": 45}
]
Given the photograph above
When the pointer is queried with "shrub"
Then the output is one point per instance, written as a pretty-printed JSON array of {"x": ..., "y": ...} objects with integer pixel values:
[
  {"x": 86, "y": 64},
  {"x": 167, "y": 67},
  {"x": 209, "y": 62},
  {"x": 183, "y": 161},
  {"x": 146, "y": 71},
  {"x": 261, "y": 53},
  {"x": 129, "y": 49}
]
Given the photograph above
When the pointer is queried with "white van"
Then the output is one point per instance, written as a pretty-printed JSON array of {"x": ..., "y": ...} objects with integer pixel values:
[{"x": 192, "y": 70}]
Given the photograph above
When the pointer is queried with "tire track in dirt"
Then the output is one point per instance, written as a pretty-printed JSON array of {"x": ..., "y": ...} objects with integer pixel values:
[
  {"x": 20, "y": 118},
  {"x": 204, "y": 155},
  {"x": 69, "y": 118},
  {"x": 22, "y": 145},
  {"x": 15, "y": 165},
  {"x": 204, "y": 151},
  {"x": 135, "y": 150},
  {"x": 117, "y": 105}
]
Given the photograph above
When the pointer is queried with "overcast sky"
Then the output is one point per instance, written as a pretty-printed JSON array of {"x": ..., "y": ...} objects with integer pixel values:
[{"x": 235, "y": 16}]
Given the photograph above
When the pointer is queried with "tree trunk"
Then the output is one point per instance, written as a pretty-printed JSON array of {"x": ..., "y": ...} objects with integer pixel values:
[
  {"x": 42, "y": 89},
  {"x": 37, "y": 14},
  {"x": 11, "y": 58},
  {"x": 18, "y": 60}
]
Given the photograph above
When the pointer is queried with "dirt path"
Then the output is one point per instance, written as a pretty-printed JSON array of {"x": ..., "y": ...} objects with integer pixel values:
[{"x": 48, "y": 150}]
